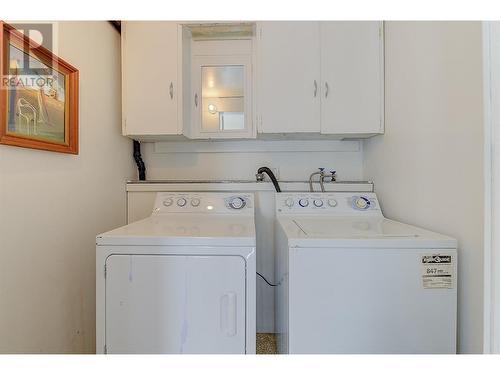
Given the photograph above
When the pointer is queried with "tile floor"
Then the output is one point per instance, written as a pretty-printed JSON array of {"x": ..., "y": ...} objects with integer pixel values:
[{"x": 266, "y": 343}]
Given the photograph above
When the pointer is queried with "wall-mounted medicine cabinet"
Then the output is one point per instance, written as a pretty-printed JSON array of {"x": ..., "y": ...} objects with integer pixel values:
[
  {"x": 221, "y": 89},
  {"x": 221, "y": 85}
]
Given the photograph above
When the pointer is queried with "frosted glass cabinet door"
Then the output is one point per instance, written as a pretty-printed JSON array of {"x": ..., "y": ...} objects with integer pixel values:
[
  {"x": 175, "y": 304},
  {"x": 288, "y": 75},
  {"x": 150, "y": 89},
  {"x": 352, "y": 77}
]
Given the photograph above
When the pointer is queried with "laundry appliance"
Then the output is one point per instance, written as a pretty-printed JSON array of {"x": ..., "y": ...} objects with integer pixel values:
[
  {"x": 181, "y": 280},
  {"x": 352, "y": 281}
]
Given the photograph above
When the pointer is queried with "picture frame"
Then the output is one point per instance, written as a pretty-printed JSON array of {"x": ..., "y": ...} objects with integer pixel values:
[{"x": 38, "y": 104}]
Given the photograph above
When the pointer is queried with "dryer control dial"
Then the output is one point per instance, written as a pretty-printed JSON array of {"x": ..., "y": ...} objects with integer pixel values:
[
  {"x": 237, "y": 203},
  {"x": 168, "y": 202},
  {"x": 289, "y": 202},
  {"x": 195, "y": 202},
  {"x": 181, "y": 202}
]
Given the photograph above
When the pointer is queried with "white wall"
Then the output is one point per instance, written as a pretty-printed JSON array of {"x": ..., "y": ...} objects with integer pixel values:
[
  {"x": 428, "y": 167},
  {"x": 52, "y": 205},
  {"x": 292, "y": 165}
]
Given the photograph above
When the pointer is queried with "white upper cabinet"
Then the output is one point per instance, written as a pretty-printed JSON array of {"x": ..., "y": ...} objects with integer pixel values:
[
  {"x": 352, "y": 77},
  {"x": 324, "y": 78},
  {"x": 246, "y": 80},
  {"x": 150, "y": 83},
  {"x": 288, "y": 77}
]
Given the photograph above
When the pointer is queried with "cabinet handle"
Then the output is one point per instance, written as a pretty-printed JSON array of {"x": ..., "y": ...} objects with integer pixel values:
[
  {"x": 171, "y": 90},
  {"x": 327, "y": 89},
  {"x": 196, "y": 100},
  {"x": 315, "y": 88}
]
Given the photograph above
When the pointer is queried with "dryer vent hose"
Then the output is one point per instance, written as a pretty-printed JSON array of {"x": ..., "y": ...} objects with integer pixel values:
[{"x": 138, "y": 160}]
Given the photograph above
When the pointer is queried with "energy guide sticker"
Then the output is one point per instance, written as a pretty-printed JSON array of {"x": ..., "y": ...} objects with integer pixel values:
[{"x": 437, "y": 271}]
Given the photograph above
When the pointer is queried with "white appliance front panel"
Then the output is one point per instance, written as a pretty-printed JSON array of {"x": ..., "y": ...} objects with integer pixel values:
[
  {"x": 328, "y": 204},
  {"x": 141, "y": 199},
  {"x": 210, "y": 203},
  {"x": 364, "y": 301},
  {"x": 171, "y": 304}
]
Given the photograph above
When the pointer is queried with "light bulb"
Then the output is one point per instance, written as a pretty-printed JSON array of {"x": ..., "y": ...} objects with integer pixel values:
[{"x": 212, "y": 108}]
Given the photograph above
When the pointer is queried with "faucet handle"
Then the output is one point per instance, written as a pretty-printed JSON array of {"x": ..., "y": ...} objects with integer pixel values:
[{"x": 334, "y": 175}]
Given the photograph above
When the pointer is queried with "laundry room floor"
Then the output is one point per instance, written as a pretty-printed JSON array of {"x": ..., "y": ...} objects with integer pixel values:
[{"x": 266, "y": 343}]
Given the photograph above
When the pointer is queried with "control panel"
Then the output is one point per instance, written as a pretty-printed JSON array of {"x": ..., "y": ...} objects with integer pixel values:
[
  {"x": 200, "y": 202},
  {"x": 327, "y": 203}
]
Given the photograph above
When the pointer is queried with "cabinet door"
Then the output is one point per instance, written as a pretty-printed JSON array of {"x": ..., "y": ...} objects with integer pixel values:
[
  {"x": 149, "y": 78},
  {"x": 288, "y": 92},
  {"x": 352, "y": 77},
  {"x": 173, "y": 304},
  {"x": 222, "y": 87}
]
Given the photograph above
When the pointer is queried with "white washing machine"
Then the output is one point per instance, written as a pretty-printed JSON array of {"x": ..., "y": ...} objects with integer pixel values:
[
  {"x": 352, "y": 281},
  {"x": 180, "y": 281}
]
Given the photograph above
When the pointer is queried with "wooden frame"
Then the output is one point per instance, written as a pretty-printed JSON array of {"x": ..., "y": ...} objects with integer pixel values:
[{"x": 10, "y": 37}]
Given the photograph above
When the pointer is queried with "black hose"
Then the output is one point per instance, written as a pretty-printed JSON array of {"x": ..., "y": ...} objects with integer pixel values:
[
  {"x": 267, "y": 282},
  {"x": 271, "y": 176},
  {"x": 138, "y": 160}
]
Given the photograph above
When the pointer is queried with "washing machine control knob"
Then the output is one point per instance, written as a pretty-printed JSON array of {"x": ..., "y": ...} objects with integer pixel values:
[
  {"x": 304, "y": 202},
  {"x": 181, "y": 202},
  {"x": 362, "y": 203},
  {"x": 332, "y": 202},
  {"x": 195, "y": 202},
  {"x": 237, "y": 203},
  {"x": 168, "y": 202},
  {"x": 289, "y": 202},
  {"x": 318, "y": 202}
]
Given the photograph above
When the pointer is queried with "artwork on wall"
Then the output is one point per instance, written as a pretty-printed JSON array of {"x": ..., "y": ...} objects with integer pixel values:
[{"x": 38, "y": 95}]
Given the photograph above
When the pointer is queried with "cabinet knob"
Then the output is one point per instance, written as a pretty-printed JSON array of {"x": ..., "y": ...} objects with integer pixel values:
[
  {"x": 327, "y": 89},
  {"x": 315, "y": 88},
  {"x": 171, "y": 90},
  {"x": 196, "y": 100}
]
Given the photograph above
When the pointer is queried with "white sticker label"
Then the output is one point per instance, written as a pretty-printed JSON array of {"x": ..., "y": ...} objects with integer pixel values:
[{"x": 437, "y": 271}]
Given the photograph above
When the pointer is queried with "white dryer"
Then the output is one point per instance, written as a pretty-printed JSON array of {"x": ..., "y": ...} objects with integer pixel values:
[
  {"x": 352, "y": 281},
  {"x": 180, "y": 281}
]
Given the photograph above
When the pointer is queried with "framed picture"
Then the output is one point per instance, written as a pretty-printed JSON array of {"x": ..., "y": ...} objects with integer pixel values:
[{"x": 38, "y": 95}]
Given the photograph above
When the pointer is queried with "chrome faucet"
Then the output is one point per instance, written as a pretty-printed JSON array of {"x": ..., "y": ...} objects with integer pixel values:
[{"x": 322, "y": 176}]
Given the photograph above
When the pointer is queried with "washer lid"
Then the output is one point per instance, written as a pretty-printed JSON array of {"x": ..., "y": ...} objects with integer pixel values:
[
  {"x": 349, "y": 231},
  {"x": 183, "y": 230}
]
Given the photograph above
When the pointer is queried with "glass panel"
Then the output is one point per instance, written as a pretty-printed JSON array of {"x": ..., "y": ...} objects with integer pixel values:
[
  {"x": 36, "y": 102},
  {"x": 223, "y": 101}
]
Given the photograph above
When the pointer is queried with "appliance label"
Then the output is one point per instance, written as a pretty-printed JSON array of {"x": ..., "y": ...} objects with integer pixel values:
[{"x": 437, "y": 271}]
